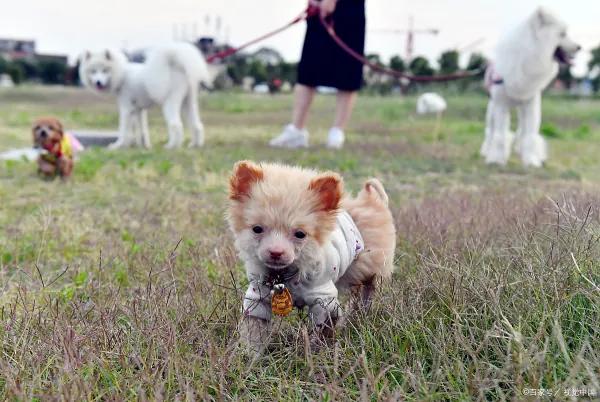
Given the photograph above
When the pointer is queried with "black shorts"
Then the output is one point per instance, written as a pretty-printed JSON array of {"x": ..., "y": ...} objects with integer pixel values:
[{"x": 324, "y": 62}]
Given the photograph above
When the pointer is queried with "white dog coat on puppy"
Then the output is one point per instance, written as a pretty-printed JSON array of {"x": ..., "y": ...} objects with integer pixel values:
[{"x": 310, "y": 286}]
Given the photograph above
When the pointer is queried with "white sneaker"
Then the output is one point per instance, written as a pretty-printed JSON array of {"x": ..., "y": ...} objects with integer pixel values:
[
  {"x": 291, "y": 137},
  {"x": 335, "y": 139}
]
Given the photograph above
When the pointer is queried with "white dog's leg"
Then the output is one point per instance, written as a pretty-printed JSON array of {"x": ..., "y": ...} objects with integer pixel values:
[
  {"x": 125, "y": 118},
  {"x": 143, "y": 127},
  {"x": 172, "y": 114},
  {"x": 519, "y": 132},
  {"x": 134, "y": 137},
  {"x": 532, "y": 116},
  {"x": 193, "y": 118},
  {"x": 541, "y": 147},
  {"x": 499, "y": 148},
  {"x": 489, "y": 126}
]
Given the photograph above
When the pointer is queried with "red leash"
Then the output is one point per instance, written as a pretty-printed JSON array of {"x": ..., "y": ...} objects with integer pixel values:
[
  {"x": 313, "y": 10},
  {"x": 306, "y": 14}
]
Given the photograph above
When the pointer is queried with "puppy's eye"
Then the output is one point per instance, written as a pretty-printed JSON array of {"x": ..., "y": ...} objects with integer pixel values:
[
  {"x": 51, "y": 128},
  {"x": 300, "y": 234},
  {"x": 258, "y": 229},
  {"x": 36, "y": 128}
]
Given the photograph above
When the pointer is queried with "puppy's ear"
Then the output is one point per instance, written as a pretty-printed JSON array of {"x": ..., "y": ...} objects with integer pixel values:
[
  {"x": 107, "y": 55},
  {"x": 244, "y": 175},
  {"x": 59, "y": 127},
  {"x": 33, "y": 134},
  {"x": 329, "y": 188}
]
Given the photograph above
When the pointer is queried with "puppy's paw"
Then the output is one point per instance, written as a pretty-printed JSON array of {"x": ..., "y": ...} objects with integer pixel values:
[{"x": 254, "y": 336}]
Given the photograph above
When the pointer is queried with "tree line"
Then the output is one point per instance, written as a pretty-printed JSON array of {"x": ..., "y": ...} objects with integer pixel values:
[
  {"x": 45, "y": 71},
  {"x": 241, "y": 65}
]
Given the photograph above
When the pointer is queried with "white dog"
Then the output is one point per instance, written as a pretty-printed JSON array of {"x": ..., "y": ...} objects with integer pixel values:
[
  {"x": 527, "y": 61},
  {"x": 170, "y": 76}
]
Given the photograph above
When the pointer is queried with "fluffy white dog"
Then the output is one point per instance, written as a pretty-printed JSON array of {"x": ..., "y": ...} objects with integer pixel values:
[
  {"x": 527, "y": 61},
  {"x": 171, "y": 76}
]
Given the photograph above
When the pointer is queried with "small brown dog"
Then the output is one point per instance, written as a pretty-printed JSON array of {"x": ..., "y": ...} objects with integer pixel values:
[
  {"x": 303, "y": 239},
  {"x": 57, "y": 151}
]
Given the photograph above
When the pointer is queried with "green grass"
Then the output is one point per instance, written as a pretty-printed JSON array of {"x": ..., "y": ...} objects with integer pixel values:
[{"x": 123, "y": 284}]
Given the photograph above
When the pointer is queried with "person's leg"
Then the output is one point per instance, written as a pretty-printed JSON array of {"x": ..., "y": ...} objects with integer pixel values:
[
  {"x": 295, "y": 135},
  {"x": 343, "y": 109},
  {"x": 303, "y": 98}
]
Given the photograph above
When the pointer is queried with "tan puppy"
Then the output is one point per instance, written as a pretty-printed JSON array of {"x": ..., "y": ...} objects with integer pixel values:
[
  {"x": 57, "y": 152},
  {"x": 302, "y": 239}
]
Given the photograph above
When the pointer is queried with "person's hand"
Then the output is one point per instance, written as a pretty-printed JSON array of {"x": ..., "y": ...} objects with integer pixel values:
[{"x": 327, "y": 7}]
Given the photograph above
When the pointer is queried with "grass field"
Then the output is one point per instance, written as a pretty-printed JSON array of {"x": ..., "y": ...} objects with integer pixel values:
[{"x": 123, "y": 283}]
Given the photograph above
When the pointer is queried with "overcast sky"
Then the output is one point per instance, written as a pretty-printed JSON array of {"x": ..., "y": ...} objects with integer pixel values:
[{"x": 69, "y": 26}]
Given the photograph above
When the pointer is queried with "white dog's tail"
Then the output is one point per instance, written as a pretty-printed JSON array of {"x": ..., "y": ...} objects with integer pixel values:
[{"x": 163, "y": 60}]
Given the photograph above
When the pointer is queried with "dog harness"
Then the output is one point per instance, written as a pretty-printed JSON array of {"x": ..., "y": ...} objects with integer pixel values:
[
  {"x": 59, "y": 149},
  {"x": 278, "y": 292}
]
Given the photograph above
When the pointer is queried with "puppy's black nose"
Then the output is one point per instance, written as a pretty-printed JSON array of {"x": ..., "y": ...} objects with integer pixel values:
[{"x": 43, "y": 134}]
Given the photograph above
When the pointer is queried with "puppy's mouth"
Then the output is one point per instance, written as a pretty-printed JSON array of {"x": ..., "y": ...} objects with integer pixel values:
[
  {"x": 276, "y": 265},
  {"x": 562, "y": 57}
]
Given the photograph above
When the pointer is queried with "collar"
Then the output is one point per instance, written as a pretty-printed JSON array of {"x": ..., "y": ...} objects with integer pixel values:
[
  {"x": 54, "y": 149},
  {"x": 275, "y": 278}
]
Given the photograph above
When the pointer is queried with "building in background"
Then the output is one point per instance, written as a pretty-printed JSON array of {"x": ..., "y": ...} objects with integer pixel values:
[
  {"x": 24, "y": 49},
  {"x": 17, "y": 49}
]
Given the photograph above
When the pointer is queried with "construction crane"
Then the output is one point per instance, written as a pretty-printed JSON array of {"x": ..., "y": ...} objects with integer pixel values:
[{"x": 410, "y": 32}]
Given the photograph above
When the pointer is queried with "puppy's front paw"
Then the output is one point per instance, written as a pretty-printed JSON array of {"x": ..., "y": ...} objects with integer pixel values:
[{"x": 254, "y": 336}]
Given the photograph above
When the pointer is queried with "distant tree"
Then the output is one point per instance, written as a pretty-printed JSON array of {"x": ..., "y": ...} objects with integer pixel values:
[
  {"x": 52, "y": 72},
  {"x": 375, "y": 59},
  {"x": 476, "y": 61},
  {"x": 288, "y": 71},
  {"x": 3, "y": 65},
  {"x": 448, "y": 62},
  {"x": 595, "y": 62},
  {"x": 397, "y": 64},
  {"x": 237, "y": 67},
  {"x": 257, "y": 71},
  {"x": 420, "y": 66},
  {"x": 564, "y": 74},
  {"x": 268, "y": 55},
  {"x": 30, "y": 70},
  {"x": 595, "y": 59},
  {"x": 75, "y": 73},
  {"x": 16, "y": 72}
]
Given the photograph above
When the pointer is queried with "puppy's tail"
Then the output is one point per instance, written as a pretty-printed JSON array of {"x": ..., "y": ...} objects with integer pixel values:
[{"x": 374, "y": 188}]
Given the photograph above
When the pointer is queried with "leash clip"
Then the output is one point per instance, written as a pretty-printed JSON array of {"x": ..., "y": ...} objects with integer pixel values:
[{"x": 278, "y": 288}]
